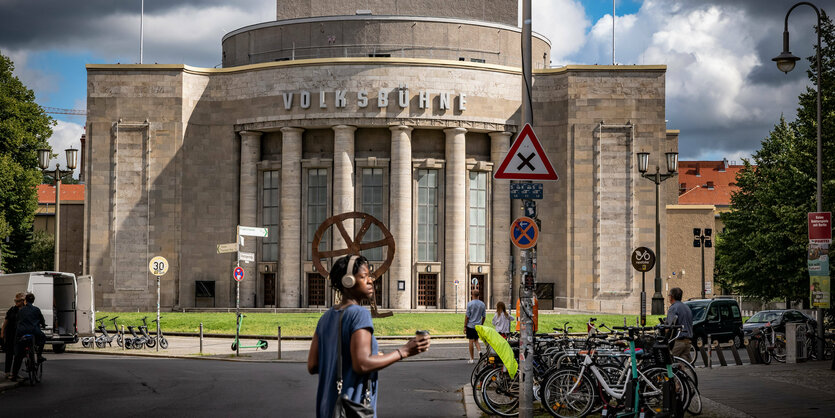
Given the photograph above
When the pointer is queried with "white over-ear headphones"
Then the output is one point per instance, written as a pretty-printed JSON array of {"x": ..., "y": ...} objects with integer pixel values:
[{"x": 348, "y": 280}]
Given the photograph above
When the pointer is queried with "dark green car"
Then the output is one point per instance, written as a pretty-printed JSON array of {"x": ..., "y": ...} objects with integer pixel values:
[{"x": 720, "y": 318}]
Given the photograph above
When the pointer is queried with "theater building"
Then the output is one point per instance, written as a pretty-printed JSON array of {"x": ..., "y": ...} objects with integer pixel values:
[{"x": 401, "y": 111}]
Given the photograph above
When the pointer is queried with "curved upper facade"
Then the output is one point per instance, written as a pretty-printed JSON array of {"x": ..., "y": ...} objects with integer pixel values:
[{"x": 381, "y": 36}]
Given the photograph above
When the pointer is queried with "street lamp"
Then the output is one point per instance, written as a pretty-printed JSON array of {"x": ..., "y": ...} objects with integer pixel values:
[
  {"x": 44, "y": 156},
  {"x": 703, "y": 241},
  {"x": 785, "y": 62},
  {"x": 657, "y": 178}
]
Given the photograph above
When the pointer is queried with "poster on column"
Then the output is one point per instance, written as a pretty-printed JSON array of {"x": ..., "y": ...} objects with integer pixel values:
[{"x": 819, "y": 280}]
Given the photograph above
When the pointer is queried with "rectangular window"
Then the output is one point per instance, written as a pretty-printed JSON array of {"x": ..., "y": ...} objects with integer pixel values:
[
  {"x": 372, "y": 204},
  {"x": 427, "y": 225},
  {"x": 269, "y": 211},
  {"x": 317, "y": 207},
  {"x": 478, "y": 216}
]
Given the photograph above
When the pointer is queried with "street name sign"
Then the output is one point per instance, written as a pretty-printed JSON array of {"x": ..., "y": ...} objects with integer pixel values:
[
  {"x": 227, "y": 248},
  {"x": 526, "y": 191},
  {"x": 158, "y": 266},
  {"x": 252, "y": 231},
  {"x": 245, "y": 256},
  {"x": 526, "y": 160}
]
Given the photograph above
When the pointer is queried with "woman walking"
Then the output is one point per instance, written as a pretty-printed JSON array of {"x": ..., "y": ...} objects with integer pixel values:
[
  {"x": 501, "y": 321},
  {"x": 360, "y": 358},
  {"x": 8, "y": 331}
]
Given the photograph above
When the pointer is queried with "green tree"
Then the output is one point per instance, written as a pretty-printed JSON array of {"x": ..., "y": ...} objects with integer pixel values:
[
  {"x": 763, "y": 252},
  {"x": 24, "y": 128}
]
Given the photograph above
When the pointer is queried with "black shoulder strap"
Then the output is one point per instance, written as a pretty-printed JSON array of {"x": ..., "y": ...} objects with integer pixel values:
[{"x": 339, "y": 361}]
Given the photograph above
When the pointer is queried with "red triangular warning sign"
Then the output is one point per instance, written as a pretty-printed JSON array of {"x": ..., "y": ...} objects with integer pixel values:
[{"x": 526, "y": 160}]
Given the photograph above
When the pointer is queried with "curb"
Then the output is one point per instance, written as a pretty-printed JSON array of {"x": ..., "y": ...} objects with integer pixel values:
[
  {"x": 6, "y": 385},
  {"x": 470, "y": 408},
  {"x": 233, "y": 359}
]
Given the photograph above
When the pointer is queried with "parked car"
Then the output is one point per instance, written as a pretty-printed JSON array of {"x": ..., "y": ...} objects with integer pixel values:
[
  {"x": 719, "y": 318},
  {"x": 778, "y": 319}
]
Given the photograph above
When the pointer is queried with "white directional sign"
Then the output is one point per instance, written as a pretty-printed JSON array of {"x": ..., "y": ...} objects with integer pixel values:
[
  {"x": 252, "y": 231},
  {"x": 526, "y": 160},
  {"x": 227, "y": 248},
  {"x": 244, "y": 256},
  {"x": 242, "y": 241}
]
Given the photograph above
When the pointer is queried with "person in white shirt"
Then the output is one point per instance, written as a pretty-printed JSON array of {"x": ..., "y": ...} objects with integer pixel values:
[{"x": 501, "y": 321}]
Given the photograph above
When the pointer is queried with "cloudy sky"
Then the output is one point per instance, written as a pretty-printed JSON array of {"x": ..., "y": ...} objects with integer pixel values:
[{"x": 723, "y": 91}]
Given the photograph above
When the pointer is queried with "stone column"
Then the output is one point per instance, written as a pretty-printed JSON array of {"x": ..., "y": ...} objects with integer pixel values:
[
  {"x": 248, "y": 210},
  {"x": 500, "y": 232},
  {"x": 400, "y": 216},
  {"x": 343, "y": 178},
  {"x": 455, "y": 219},
  {"x": 289, "y": 265}
]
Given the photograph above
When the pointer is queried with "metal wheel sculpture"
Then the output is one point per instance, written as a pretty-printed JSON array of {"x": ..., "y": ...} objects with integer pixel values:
[{"x": 354, "y": 246}]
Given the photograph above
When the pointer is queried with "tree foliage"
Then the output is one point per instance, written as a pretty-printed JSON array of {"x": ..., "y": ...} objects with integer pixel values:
[
  {"x": 24, "y": 128},
  {"x": 763, "y": 252}
]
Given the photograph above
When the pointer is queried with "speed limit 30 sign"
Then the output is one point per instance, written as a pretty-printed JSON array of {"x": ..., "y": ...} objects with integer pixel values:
[{"x": 158, "y": 266}]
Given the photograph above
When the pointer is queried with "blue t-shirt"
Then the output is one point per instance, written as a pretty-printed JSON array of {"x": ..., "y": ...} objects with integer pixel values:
[
  {"x": 355, "y": 318},
  {"x": 475, "y": 313}
]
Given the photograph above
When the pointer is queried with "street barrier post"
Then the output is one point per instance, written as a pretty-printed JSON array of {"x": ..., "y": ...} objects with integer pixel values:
[
  {"x": 279, "y": 342},
  {"x": 201, "y": 338}
]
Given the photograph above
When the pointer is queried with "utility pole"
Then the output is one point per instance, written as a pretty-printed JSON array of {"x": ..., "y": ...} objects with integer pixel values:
[{"x": 526, "y": 293}]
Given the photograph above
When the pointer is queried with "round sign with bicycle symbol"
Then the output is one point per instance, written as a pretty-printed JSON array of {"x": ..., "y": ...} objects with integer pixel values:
[{"x": 643, "y": 259}]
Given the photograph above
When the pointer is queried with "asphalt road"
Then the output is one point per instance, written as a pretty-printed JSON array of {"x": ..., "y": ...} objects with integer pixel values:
[{"x": 82, "y": 385}]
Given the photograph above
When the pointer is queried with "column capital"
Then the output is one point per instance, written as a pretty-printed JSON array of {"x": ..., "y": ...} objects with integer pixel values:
[
  {"x": 344, "y": 128},
  {"x": 499, "y": 134},
  {"x": 251, "y": 133},
  {"x": 401, "y": 128},
  {"x": 290, "y": 129},
  {"x": 455, "y": 131}
]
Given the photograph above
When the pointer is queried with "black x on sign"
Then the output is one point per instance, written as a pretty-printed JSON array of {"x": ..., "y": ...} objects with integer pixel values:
[{"x": 526, "y": 160}]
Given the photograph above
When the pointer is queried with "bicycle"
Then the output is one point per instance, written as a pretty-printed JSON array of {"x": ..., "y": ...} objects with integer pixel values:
[
  {"x": 163, "y": 342},
  {"x": 32, "y": 368}
]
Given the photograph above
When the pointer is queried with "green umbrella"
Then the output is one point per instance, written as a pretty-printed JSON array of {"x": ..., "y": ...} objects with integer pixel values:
[{"x": 500, "y": 345}]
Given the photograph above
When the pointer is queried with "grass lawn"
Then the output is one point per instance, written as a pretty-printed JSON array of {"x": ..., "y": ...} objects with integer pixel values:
[{"x": 304, "y": 324}]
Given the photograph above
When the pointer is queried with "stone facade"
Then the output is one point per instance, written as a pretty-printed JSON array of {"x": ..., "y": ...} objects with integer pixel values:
[
  {"x": 179, "y": 156},
  {"x": 685, "y": 267}
]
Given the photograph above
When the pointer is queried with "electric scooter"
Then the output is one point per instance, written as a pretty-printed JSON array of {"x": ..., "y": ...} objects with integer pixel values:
[{"x": 262, "y": 344}]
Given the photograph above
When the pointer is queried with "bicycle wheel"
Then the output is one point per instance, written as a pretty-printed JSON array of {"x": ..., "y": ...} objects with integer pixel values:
[
  {"x": 687, "y": 368},
  {"x": 762, "y": 350},
  {"x": 119, "y": 341},
  {"x": 568, "y": 394},
  {"x": 501, "y": 393},
  {"x": 138, "y": 344},
  {"x": 652, "y": 388},
  {"x": 86, "y": 343},
  {"x": 100, "y": 343},
  {"x": 151, "y": 342},
  {"x": 163, "y": 343},
  {"x": 780, "y": 349},
  {"x": 480, "y": 365},
  {"x": 31, "y": 368},
  {"x": 478, "y": 397},
  {"x": 694, "y": 405}
]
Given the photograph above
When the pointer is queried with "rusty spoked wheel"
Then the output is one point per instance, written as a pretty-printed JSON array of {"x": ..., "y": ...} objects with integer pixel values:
[{"x": 354, "y": 246}]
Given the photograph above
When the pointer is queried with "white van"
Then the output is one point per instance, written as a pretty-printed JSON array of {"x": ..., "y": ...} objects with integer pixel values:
[{"x": 65, "y": 301}]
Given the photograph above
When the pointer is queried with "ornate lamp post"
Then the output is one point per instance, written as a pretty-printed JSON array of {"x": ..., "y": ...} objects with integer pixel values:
[
  {"x": 43, "y": 161},
  {"x": 785, "y": 63},
  {"x": 658, "y": 178}
]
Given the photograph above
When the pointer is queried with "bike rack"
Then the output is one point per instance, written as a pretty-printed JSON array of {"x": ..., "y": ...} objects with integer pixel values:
[{"x": 707, "y": 354}]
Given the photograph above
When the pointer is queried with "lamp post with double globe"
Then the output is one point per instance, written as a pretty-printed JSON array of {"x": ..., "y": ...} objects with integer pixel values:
[
  {"x": 44, "y": 156},
  {"x": 658, "y": 178}
]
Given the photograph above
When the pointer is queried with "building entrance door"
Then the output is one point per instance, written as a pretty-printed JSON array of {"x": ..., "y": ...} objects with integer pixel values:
[
  {"x": 428, "y": 290},
  {"x": 269, "y": 289},
  {"x": 477, "y": 282},
  {"x": 315, "y": 289}
]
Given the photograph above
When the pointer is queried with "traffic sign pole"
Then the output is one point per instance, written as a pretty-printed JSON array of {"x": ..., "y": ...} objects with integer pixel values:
[
  {"x": 158, "y": 267},
  {"x": 237, "y": 299}
]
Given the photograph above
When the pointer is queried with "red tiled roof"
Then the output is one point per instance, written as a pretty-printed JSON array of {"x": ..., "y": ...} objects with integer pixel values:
[
  {"x": 707, "y": 182},
  {"x": 69, "y": 192}
]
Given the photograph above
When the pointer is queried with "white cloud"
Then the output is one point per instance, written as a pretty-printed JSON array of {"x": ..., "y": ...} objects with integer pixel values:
[
  {"x": 711, "y": 54},
  {"x": 66, "y": 135},
  {"x": 568, "y": 36}
]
